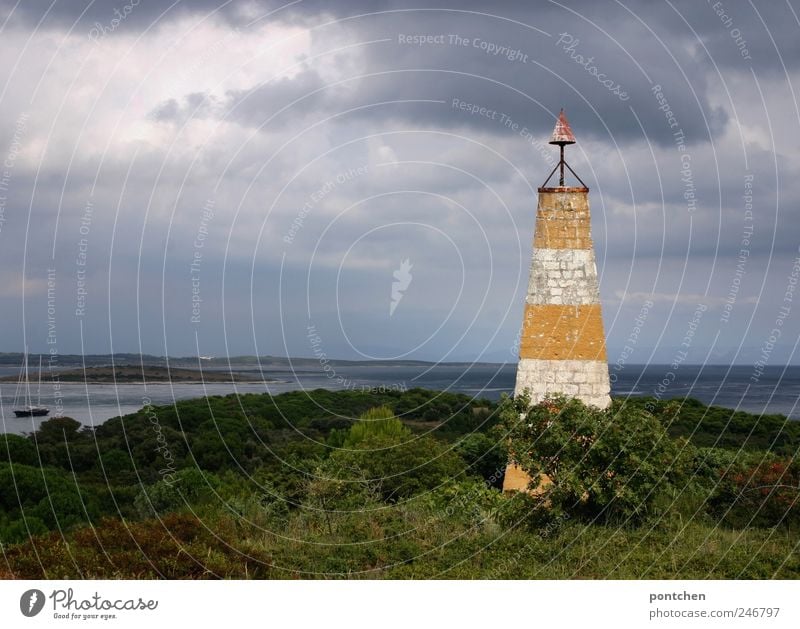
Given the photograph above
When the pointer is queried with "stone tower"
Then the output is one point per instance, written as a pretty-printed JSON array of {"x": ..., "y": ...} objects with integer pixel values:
[{"x": 562, "y": 343}]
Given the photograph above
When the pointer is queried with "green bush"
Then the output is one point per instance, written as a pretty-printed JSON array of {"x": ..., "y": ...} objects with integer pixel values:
[
  {"x": 177, "y": 491},
  {"x": 16, "y": 449},
  {"x": 401, "y": 469},
  {"x": 604, "y": 465},
  {"x": 485, "y": 456},
  {"x": 379, "y": 423},
  {"x": 384, "y": 452},
  {"x": 58, "y": 430},
  {"x": 48, "y": 495},
  {"x": 22, "y": 529},
  {"x": 766, "y": 494}
]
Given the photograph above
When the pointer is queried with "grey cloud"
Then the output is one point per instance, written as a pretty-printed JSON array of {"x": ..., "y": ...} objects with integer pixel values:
[{"x": 630, "y": 222}]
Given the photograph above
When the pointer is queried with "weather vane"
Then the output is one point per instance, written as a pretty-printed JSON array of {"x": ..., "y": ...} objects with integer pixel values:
[{"x": 562, "y": 135}]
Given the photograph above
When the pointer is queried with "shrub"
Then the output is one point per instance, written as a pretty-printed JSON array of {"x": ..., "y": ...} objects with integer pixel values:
[
  {"x": 382, "y": 451},
  {"x": 767, "y": 494},
  {"x": 58, "y": 430},
  {"x": 603, "y": 464},
  {"x": 22, "y": 529},
  {"x": 181, "y": 489},
  {"x": 401, "y": 469},
  {"x": 485, "y": 456},
  {"x": 378, "y": 422},
  {"x": 50, "y": 496},
  {"x": 16, "y": 449}
]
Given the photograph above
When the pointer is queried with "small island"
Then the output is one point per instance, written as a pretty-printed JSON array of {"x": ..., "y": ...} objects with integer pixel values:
[{"x": 138, "y": 374}]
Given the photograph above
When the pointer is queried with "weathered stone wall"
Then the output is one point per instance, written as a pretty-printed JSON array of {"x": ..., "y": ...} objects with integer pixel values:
[
  {"x": 583, "y": 379},
  {"x": 563, "y": 220},
  {"x": 562, "y": 344},
  {"x": 563, "y": 333},
  {"x": 563, "y": 276}
]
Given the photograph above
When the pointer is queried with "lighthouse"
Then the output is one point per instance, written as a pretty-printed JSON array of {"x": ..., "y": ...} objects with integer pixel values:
[{"x": 562, "y": 342}]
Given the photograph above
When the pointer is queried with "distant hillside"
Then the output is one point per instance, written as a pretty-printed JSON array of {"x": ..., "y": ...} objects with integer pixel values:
[
  {"x": 104, "y": 360},
  {"x": 121, "y": 374}
]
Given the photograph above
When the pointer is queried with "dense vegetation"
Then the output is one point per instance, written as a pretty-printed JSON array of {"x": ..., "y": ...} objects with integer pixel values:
[{"x": 390, "y": 484}]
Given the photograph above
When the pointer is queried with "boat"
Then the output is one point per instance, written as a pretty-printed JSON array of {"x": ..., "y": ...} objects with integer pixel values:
[
  {"x": 32, "y": 411},
  {"x": 29, "y": 409}
]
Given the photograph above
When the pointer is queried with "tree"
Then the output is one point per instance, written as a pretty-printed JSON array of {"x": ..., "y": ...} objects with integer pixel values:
[
  {"x": 603, "y": 464},
  {"x": 382, "y": 450},
  {"x": 58, "y": 430},
  {"x": 181, "y": 489},
  {"x": 378, "y": 422},
  {"x": 16, "y": 449},
  {"x": 485, "y": 456},
  {"x": 765, "y": 494}
]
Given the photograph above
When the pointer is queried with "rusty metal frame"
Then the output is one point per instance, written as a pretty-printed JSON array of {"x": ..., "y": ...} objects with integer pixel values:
[{"x": 561, "y": 163}]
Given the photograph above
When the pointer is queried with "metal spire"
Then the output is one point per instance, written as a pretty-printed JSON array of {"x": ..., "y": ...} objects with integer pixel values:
[{"x": 562, "y": 135}]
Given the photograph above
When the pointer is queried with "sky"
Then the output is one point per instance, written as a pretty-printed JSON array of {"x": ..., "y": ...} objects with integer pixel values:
[{"x": 358, "y": 179}]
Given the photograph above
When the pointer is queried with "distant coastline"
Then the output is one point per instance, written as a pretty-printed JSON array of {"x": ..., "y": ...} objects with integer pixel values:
[
  {"x": 8, "y": 359},
  {"x": 196, "y": 362},
  {"x": 136, "y": 374}
]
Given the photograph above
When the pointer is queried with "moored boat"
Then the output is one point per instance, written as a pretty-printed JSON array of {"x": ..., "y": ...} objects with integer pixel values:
[{"x": 29, "y": 409}]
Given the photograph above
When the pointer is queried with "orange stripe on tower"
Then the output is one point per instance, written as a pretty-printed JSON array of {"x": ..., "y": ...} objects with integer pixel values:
[
  {"x": 563, "y": 333},
  {"x": 562, "y": 219}
]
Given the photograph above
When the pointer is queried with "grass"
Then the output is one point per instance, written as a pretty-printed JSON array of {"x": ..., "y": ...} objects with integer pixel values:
[{"x": 401, "y": 543}]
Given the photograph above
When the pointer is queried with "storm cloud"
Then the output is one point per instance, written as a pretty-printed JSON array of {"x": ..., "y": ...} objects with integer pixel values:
[{"x": 214, "y": 177}]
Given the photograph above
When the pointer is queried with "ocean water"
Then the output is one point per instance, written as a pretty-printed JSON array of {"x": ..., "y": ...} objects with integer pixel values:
[{"x": 776, "y": 390}]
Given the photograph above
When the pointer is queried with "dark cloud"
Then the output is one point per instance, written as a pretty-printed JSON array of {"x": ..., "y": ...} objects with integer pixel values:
[
  {"x": 452, "y": 116},
  {"x": 515, "y": 70},
  {"x": 129, "y": 14}
]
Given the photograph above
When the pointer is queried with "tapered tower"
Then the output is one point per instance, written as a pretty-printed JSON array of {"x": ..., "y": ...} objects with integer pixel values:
[{"x": 562, "y": 343}]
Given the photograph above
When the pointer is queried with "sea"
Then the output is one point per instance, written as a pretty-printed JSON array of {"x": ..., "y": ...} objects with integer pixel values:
[{"x": 775, "y": 390}]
